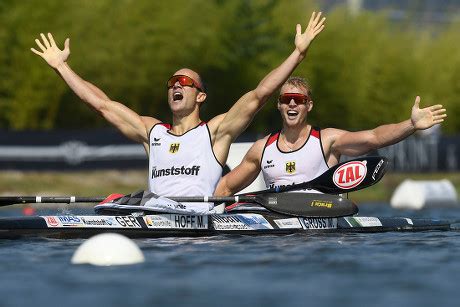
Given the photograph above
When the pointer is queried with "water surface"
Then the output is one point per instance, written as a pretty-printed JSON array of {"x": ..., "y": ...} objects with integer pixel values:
[{"x": 386, "y": 269}]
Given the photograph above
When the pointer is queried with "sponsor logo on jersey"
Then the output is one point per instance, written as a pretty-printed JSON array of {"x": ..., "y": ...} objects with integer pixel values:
[
  {"x": 350, "y": 174},
  {"x": 269, "y": 164},
  {"x": 290, "y": 167},
  {"x": 156, "y": 141},
  {"x": 174, "y": 148},
  {"x": 274, "y": 186},
  {"x": 175, "y": 171}
]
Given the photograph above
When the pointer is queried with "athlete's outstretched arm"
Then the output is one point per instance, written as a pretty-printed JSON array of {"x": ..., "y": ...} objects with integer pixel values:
[
  {"x": 361, "y": 142},
  {"x": 127, "y": 121},
  {"x": 227, "y": 127},
  {"x": 244, "y": 174}
]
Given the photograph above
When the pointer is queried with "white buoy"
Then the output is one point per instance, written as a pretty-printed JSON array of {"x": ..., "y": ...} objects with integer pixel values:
[
  {"x": 417, "y": 194},
  {"x": 108, "y": 249}
]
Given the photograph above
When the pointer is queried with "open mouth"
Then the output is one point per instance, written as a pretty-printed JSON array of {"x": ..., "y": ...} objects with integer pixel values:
[
  {"x": 177, "y": 96},
  {"x": 292, "y": 113}
]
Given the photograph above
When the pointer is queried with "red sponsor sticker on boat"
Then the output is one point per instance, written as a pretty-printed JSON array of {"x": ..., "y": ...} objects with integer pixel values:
[
  {"x": 52, "y": 221},
  {"x": 350, "y": 174}
]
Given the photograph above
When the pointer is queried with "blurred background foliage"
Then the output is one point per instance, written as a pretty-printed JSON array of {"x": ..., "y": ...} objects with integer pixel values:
[{"x": 364, "y": 69}]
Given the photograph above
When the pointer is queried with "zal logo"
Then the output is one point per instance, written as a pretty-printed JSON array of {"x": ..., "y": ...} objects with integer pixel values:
[
  {"x": 350, "y": 174},
  {"x": 290, "y": 167},
  {"x": 269, "y": 161},
  {"x": 174, "y": 147}
]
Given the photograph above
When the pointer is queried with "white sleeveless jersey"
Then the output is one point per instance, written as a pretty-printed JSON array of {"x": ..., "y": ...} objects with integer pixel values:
[
  {"x": 285, "y": 168},
  {"x": 182, "y": 165}
]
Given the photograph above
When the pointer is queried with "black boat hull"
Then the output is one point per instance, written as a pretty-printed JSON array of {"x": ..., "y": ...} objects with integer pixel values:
[{"x": 176, "y": 225}]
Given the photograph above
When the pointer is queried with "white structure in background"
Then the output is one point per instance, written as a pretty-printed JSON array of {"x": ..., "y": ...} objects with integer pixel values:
[
  {"x": 417, "y": 194},
  {"x": 236, "y": 154},
  {"x": 108, "y": 249}
]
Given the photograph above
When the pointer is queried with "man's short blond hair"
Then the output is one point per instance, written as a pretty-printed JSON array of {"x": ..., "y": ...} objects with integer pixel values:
[{"x": 299, "y": 82}]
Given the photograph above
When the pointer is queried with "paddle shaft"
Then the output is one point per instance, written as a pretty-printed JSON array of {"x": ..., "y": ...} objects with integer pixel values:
[
  {"x": 10, "y": 200},
  {"x": 325, "y": 183}
]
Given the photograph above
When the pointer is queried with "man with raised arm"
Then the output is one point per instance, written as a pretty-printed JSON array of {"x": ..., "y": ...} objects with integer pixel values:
[
  {"x": 300, "y": 152},
  {"x": 186, "y": 156}
]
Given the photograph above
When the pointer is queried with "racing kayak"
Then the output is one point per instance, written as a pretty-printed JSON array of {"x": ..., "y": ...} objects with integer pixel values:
[
  {"x": 237, "y": 222},
  {"x": 271, "y": 212}
]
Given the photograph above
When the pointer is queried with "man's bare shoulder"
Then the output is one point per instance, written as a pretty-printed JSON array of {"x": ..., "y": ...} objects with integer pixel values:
[
  {"x": 261, "y": 142},
  {"x": 215, "y": 122},
  {"x": 331, "y": 133},
  {"x": 149, "y": 122},
  {"x": 256, "y": 150}
]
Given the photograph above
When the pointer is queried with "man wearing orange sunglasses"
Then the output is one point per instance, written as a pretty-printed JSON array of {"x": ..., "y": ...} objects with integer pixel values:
[
  {"x": 299, "y": 152},
  {"x": 186, "y": 156}
]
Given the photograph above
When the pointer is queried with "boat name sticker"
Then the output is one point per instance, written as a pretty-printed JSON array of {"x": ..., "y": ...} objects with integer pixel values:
[
  {"x": 319, "y": 223},
  {"x": 92, "y": 221},
  {"x": 245, "y": 221},
  {"x": 288, "y": 223},
  {"x": 176, "y": 221},
  {"x": 350, "y": 174},
  {"x": 363, "y": 221}
]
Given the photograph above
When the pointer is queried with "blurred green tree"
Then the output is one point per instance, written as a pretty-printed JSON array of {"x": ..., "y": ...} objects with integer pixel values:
[{"x": 364, "y": 69}]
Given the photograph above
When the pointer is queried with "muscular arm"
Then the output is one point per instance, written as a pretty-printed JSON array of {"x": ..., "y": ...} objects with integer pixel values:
[
  {"x": 225, "y": 128},
  {"x": 124, "y": 119},
  {"x": 361, "y": 142},
  {"x": 244, "y": 174}
]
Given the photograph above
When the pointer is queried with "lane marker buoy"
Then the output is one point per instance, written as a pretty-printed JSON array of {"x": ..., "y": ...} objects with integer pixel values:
[{"x": 108, "y": 249}]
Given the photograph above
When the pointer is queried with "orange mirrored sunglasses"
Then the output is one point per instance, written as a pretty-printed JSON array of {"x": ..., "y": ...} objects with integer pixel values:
[
  {"x": 298, "y": 98},
  {"x": 183, "y": 81}
]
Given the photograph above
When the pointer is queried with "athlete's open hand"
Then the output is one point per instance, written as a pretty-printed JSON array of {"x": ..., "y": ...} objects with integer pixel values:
[
  {"x": 426, "y": 117},
  {"x": 315, "y": 26},
  {"x": 50, "y": 52}
]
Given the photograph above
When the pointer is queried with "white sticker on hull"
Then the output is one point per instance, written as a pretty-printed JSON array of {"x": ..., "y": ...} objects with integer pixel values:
[
  {"x": 245, "y": 221},
  {"x": 291, "y": 223},
  {"x": 176, "y": 221},
  {"x": 92, "y": 221},
  {"x": 319, "y": 223},
  {"x": 363, "y": 221}
]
